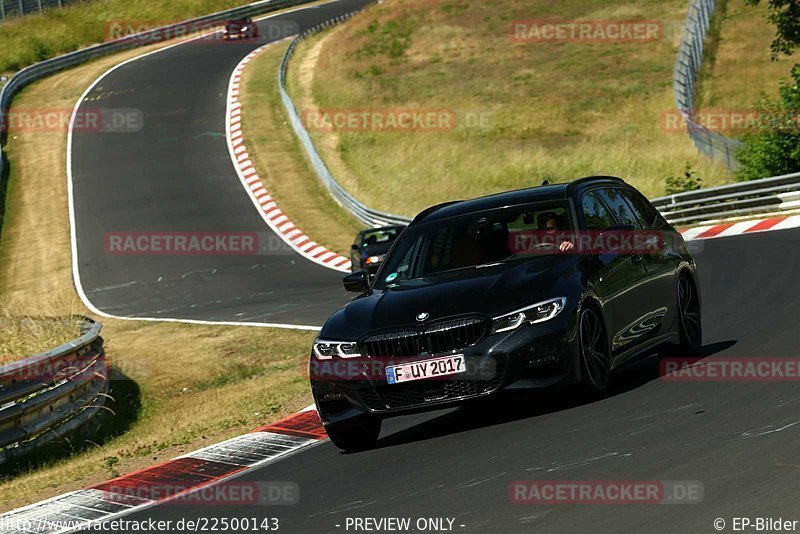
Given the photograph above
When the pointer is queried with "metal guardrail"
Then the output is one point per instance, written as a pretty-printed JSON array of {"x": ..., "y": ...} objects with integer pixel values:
[
  {"x": 779, "y": 193},
  {"x": 47, "y": 396},
  {"x": 362, "y": 212},
  {"x": 51, "y": 66},
  {"x": 16, "y": 8},
  {"x": 687, "y": 65}
]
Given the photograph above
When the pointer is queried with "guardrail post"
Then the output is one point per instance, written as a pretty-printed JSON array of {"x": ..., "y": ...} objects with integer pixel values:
[
  {"x": 40, "y": 5},
  {"x": 2, "y": 9}
]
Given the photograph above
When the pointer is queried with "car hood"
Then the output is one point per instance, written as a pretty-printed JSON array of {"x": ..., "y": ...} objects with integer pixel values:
[{"x": 489, "y": 291}]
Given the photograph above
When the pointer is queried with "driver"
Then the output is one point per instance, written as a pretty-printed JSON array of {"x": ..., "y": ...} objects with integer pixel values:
[{"x": 549, "y": 222}]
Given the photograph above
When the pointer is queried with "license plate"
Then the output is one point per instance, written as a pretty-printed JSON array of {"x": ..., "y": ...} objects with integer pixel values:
[{"x": 450, "y": 365}]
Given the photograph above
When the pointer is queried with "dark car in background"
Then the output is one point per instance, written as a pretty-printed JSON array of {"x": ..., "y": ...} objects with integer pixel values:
[
  {"x": 370, "y": 247},
  {"x": 243, "y": 28},
  {"x": 550, "y": 285}
]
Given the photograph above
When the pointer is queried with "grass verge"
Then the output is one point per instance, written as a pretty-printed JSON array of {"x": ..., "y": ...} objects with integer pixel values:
[
  {"x": 558, "y": 110},
  {"x": 742, "y": 70},
  {"x": 26, "y": 40},
  {"x": 196, "y": 384},
  {"x": 281, "y": 162},
  {"x": 22, "y": 336}
]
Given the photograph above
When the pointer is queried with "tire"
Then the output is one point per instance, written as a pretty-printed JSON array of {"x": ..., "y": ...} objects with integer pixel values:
[
  {"x": 357, "y": 435},
  {"x": 689, "y": 319},
  {"x": 593, "y": 348}
]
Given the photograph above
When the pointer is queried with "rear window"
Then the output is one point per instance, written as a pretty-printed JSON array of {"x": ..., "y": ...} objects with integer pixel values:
[
  {"x": 595, "y": 213},
  {"x": 380, "y": 235},
  {"x": 642, "y": 208}
]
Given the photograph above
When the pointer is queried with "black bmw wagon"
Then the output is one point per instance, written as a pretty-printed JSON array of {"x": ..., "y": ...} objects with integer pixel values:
[{"x": 532, "y": 288}]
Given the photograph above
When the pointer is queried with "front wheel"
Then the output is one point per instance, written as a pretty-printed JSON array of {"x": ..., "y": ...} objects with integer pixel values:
[
  {"x": 595, "y": 361},
  {"x": 357, "y": 435}
]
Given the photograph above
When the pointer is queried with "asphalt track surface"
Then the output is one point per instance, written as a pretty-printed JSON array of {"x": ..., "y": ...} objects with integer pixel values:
[
  {"x": 739, "y": 439},
  {"x": 176, "y": 175}
]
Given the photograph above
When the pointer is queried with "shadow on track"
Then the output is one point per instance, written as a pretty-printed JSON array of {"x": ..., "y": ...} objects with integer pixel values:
[{"x": 524, "y": 404}]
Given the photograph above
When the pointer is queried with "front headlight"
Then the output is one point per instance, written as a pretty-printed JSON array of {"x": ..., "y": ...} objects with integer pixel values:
[
  {"x": 535, "y": 313},
  {"x": 373, "y": 260},
  {"x": 325, "y": 350}
]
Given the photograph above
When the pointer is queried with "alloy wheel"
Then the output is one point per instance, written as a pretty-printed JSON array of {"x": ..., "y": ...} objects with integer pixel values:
[
  {"x": 689, "y": 308},
  {"x": 593, "y": 349}
]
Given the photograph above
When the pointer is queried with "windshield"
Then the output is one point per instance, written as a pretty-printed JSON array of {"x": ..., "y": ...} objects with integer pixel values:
[
  {"x": 474, "y": 240},
  {"x": 379, "y": 235}
]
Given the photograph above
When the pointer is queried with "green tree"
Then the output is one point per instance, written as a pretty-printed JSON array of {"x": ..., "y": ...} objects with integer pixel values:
[
  {"x": 773, "y": 148},
  {"x": 785, "y": 15}
]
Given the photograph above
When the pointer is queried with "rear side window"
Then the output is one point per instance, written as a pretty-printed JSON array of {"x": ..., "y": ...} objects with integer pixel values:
[
  {"x": 642, "y": 208},
  {"x": 621, "y": 209},
  {"x": 595, "y": 214}
]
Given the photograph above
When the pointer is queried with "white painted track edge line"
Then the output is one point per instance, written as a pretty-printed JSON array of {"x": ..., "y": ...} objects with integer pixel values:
[{"x": 71, "y": 199}]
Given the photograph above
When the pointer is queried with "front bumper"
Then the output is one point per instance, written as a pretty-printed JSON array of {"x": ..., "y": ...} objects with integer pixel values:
[
  {"x": 532, "y": 356},
  {"x": 238, "y": 36}
]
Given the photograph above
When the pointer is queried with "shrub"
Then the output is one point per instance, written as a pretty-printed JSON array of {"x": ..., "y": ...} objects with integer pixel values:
[
  {"x": 688, "y": 181},
  {"x": 773, "y": 148}
]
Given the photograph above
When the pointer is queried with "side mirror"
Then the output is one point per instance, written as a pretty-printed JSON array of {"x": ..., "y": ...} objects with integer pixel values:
[
  {"x": 354, "y": 246},
  {"x": 357, "y": 282}
]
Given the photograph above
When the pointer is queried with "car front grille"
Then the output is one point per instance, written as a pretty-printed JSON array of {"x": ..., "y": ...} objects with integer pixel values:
[
  {"x": 441, "y": 337},
  {"x": 419, "y": 393}
]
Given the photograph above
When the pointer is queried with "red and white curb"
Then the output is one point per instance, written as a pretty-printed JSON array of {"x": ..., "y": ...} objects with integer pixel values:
[
  {"x": 256, "y": 188},
  {"x": 178, "y": 477},
  {"x": 742, "y": 227}
]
